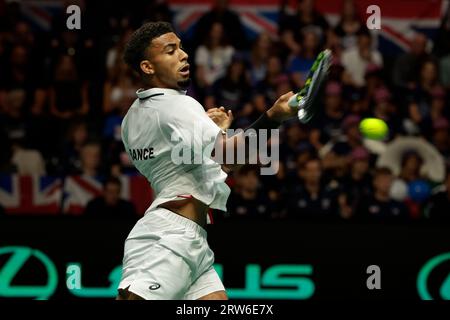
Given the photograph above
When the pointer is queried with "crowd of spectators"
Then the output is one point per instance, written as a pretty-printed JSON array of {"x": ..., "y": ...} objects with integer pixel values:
[{"x": 63, "y": 94}]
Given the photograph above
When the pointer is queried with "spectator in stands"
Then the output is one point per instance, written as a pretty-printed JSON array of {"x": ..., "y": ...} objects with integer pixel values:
[
  {"x": 258, "y": 58},
  {"x": 334, "y": 43},
  {"x": 338, "y": 159},
  {"x": 274, "y": 76},
  {"x": 109, "y": 204},
  {"x": 410, "y": 167},
  {"x": 299, "y": 67},
  {"x": 379, "y": 206},
  {"x": 212, "y": 57},
  {"x": 444, "y": 71},
  {"x": 384, "y": 109},
  {"x": 295, "y": 140},
  {"x": 438, "y": 207},
  {"x": 76, "y": 137},
  {"x": 306, "y": 17},
  {"x": 441, "y": 45},
  {"x": 119, "y": 89},
  {"x": 357, "y": 59},
  {"x": 27, "y": 161},
  {"x": 19, "y": 74},
  {"x": 68, "y": 92},
  {"x": 358, "y": 183},
  {"x": 232, "y": 89},
  {"x": 327, "y": 124},
  {"x": 90, "y": 160},
  {"x": 406, "y": 69},
  {"x": 421, "y": 98},
  {"x": 230, "y": 20},
  {"x": 349, "y": 25},
  {"x": 438, "y": 108},
  {"x": 441, "y": 138},
  {"x": 248, "y": 198},
  {"x": 312, "y": 198}
]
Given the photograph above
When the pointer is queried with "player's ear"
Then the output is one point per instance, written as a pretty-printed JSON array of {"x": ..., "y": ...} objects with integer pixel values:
[{"x": 147, "y": 67}]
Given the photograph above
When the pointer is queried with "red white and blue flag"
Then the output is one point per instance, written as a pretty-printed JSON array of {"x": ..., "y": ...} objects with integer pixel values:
[
  {"x": 30, "y": 194},
  {"x": 54, "y": 195},
  {"x": 400, "y": 19}
]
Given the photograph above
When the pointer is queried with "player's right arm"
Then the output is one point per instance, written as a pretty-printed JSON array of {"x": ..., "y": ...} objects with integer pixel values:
[{"x": 271, "y": 119}]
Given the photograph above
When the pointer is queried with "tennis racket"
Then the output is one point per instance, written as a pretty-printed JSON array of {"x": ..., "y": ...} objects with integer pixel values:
[{"x": 306, "y": 99}]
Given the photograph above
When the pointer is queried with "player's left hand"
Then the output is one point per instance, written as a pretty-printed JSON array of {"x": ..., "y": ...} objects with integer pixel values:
[{"x": 221, "y": 117}]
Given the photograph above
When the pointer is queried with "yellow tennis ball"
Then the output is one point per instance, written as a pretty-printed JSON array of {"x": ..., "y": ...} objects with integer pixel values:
[{"x": 373, "y": 128}]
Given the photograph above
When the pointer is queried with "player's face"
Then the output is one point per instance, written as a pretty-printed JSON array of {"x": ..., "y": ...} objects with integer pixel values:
[{"x": 170, "y": 68}]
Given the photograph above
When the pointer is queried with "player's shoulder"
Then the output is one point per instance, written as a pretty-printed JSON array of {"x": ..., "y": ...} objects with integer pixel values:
[{"x": 182, "y": 106}]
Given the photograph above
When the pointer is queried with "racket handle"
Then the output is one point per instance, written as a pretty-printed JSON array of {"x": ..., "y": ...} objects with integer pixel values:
[{"x": 294, "y": 102}]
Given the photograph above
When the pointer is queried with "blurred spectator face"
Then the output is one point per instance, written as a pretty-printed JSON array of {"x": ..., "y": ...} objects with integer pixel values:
[
  {"x": 14, "y": 102},
  {"x": 360, "y": 161},
  {"x": 19, "y": 56},
  {"x": 248, "y": 181},
  {"x": 419, "y": 44},
  {"x": 441, "y": 138},
  {"x": 438, "y": 100},
  {"x": 90, "y": 157},
  {"x": 236, "y": 69},
  {"x": 333, "y": 96},
  {"x": 310, "y": 41},
  {"x": 364, "y": 42},
  {"x": 312, "y": 171},
  {"x": 66, "y": 69},
  {"x": 111, "y": 193},
  {"x": 23, "y": 33},
  {"x": 428, "y": 72},
  {"x": 382, "y": 182},
  {"x": 348, "y": 10},
  {"x": 259, "y": 102},
  {"x": 79, "y": 134},
  {"x": 360, "y": 167},
  {"x": 216, "y": 33},
  {"x": 306, "y": 6},
  {"x": 283, "y": 87},
  {"x": 411, "y": 166},
  {"x": 353, "y": 133},
  {"x": 263, "y": 44},
  {"x": 273, "y": 65},
  {"x": 294, "y": 134}
]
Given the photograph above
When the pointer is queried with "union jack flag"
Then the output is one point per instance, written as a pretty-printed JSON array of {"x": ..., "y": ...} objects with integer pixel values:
[
  {"x": 39, "y": 13},
  {"x": 30, "y": 194},
  {"x": 400, "y": 19},
  {"x": 79, "y": 190}
]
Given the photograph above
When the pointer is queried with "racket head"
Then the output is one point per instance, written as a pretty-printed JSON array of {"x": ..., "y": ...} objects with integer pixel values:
[{"x": 307, "y": 98}]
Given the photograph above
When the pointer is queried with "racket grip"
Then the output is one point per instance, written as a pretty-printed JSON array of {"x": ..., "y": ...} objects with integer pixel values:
[{"x": 292, "y": 102}]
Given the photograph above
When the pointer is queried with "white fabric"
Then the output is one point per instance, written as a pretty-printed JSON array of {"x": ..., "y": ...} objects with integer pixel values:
[
  {"x": 154, "y": 121},
  {"x": 167, "y": 257},
  {"x": 215, "y": 62},
  {"x": 357, "y": 66}
]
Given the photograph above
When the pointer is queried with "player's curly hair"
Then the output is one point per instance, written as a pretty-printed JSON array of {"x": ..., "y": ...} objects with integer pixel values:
[{"x": 135, "y": 49}]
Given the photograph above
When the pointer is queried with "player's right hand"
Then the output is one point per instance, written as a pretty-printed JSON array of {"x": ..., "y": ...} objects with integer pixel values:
[{"x": 281, "y": 111}]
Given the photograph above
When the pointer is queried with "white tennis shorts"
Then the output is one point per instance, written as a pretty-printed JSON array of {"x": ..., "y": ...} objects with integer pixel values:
[{"x": 167, "y": 257}]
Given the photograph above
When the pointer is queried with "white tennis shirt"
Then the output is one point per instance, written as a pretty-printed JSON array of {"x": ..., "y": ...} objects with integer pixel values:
[{"x": 169, "y": 139}]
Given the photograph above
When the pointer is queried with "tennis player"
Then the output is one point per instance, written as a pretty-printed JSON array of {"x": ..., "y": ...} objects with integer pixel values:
[{"x": 166, "y": 254}]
